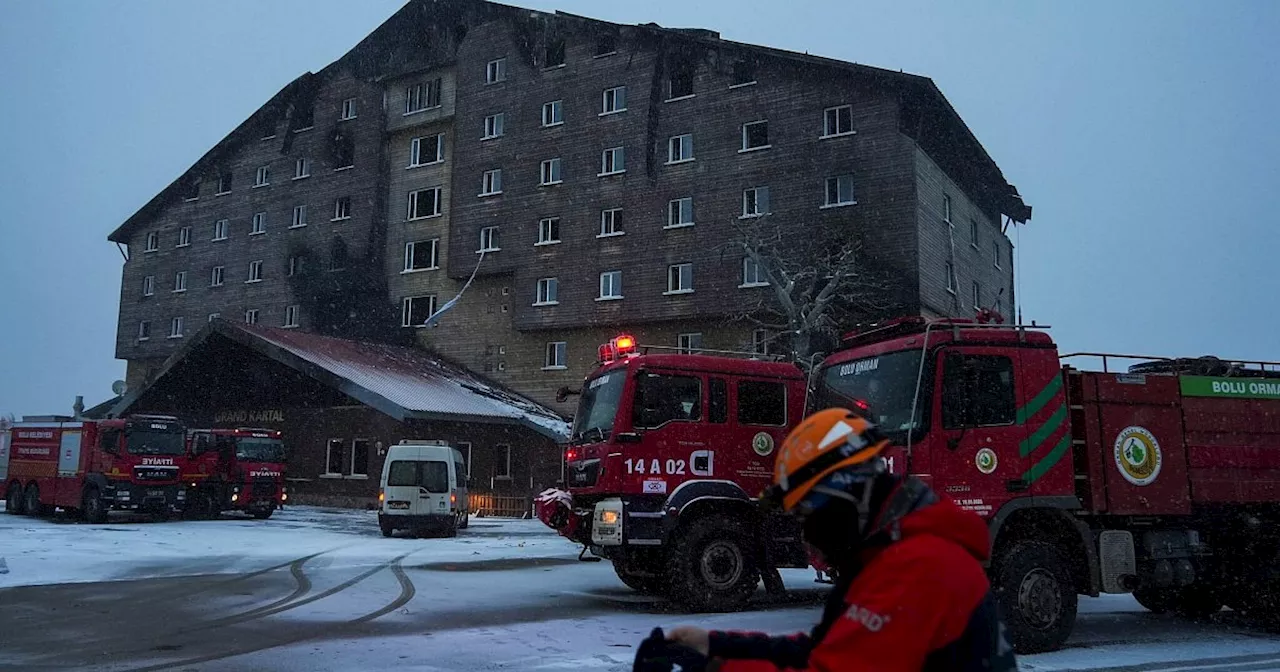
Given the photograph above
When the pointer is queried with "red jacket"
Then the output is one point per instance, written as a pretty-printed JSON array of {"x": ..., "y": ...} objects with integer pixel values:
[{"x": 920, "y": 603}]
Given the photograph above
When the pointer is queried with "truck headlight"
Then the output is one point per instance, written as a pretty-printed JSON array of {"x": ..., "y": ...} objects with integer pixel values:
[
  {"x": 609, "y": 517},
  {"x": 606, "y": 529},
  {"x": 235, "y": 497}
]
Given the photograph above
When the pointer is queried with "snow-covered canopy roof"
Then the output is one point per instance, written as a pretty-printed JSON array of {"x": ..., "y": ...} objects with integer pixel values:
[{"x": 404, "y": 383}]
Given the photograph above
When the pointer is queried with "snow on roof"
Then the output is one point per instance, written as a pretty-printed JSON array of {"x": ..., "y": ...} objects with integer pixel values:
[{"x": 412, "y": 379}]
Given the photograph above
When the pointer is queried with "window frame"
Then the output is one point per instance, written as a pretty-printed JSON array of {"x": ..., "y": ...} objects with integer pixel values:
[
  {"x": 144, "y": 330},
  {"x": 977, "y": 295},
  {"x": 615, "y": 286},
  {"x": 605, "y": 100},
  {"x": 973, "y": 233},
  {"x": 341, "y": 209},
  {"x": 411, "y": 247},
  {"x": 755, "y": 196},
  {"x": 328, "y": 456},
  {"x": 184, "y": 237},
  {"x": 224, "y": 179},
  {"x": 739, "y": 395},
  {"x": 680, "y": 276},
  {"x": 837, "y": 203},
  {"x": 491, "y": 182},
  {"x": 993, "y": 363},
  {"x": 416, "y": 153},
  {"x": 299, "y": 216},
  {"x": 686, "y": 345},
  {"x": 613, "y": 156},
  {"x": 152, "y": 243},
  {"x": 552, "y": 107},
  {"x": 495, "y": 126},
  {"x": 746, "y": 137},
  {"x": 177, "y": 326},
  {"x": 548, "y": 231},
  {"x": 255, "y": 271},
  {"x": 491, "y": 244},
  {"x": 950, "y": 270},
  {"x": 747, "y": 261},
  {"x": 946, "y": 210},
  {"x": 614, "y": 218},
  {"x": 353, "y": 474},
  {"x": 407, "y": 312},
  {"x": 347, "y": 109},
  {"x": 555, "y": 351},
  {"x": 218, "y": 276},
  {"x": 547, "y": 292},
  {"x": 680, "y": 142},
  {"x": 223, "y": 227},
  {"x": 996, "y": 253},
  {"x": 149, "y": 285},
  {"x": 832, "y": 114},
  {"x": 301, "y": 168},
  {"x": 179, "y": 282},
  {"x": 495, "y": 71},
  {"x": 262, "y": 177},
  {"x": 505, "y": 449},
  {"x": 550, "y": 174},
  {"x": 291, "y": 316},
  {"x": 436, "y": 203},
  {"x": 675, "y": 210},
  {"x": 258, "y": 224},
  {"x": 252, "y": 315}
]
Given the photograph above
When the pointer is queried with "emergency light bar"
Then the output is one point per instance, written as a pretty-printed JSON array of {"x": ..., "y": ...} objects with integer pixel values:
[{"x": 618, "y": 348}]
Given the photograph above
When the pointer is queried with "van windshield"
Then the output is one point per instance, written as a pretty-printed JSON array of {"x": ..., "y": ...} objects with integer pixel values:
[{"x": 433, "y": 476}]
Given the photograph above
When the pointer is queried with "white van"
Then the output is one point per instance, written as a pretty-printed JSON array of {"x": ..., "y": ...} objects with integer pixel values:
[{"x": 424, "y": 489}]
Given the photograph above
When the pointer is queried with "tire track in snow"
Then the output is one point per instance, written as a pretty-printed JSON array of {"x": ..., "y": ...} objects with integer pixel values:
[{"x": 407, "y": 593}]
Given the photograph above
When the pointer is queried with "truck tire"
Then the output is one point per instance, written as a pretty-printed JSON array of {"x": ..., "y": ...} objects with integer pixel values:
[
  {"x": 1032, "y": 584},
  {"x": 32, "y": 503},
  {"x": 643, "y": 583},
  {"x": 712, "y": 565},
  {"x": 92, "y": 506},
  {"x": 1196, "y": 601},
  {"x": 13, "y": 501},
  {"x": 262, "y": 515}
]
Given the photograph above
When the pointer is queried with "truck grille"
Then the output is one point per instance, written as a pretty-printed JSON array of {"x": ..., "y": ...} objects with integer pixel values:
[
  {"x": 152, "y": 474},
  {"x": 583, "y": 474},
  {"x": 264, "y": 488}
]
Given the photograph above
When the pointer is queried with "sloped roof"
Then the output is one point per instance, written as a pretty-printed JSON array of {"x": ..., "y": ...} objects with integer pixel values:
[
  {"x": 403, "y": 383},
  {"x": 390, "y": 48}
]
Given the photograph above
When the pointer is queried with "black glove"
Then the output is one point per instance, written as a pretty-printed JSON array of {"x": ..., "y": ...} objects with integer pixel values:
[{"x": 656, "y": 654}]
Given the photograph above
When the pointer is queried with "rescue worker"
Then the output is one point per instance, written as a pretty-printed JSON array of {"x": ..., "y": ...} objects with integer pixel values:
[{"x": 910, "y": 592}]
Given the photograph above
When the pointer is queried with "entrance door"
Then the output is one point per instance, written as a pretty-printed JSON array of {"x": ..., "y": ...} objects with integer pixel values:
[{"x": 977, "y": 462}]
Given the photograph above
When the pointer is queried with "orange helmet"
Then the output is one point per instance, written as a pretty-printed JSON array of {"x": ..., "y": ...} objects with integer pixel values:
[{"x": 824, "y": 443}]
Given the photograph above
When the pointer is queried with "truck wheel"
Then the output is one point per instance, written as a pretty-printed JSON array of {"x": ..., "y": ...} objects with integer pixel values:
[
  {"x": 13, "y": 501},
  {"x": 643, "y": 583},
  {"x": 263, "y": 515},
  {"x": 1032, "y": 584},
  {"x": 32, "y": 504},
  {"x": 95, "y": 511},
  {"x": 1155, "y": 600},
  {"x": 712, "y": 566}
]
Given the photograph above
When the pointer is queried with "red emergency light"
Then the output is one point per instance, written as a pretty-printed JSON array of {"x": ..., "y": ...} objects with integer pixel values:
[{"x": 619, "y": 347}]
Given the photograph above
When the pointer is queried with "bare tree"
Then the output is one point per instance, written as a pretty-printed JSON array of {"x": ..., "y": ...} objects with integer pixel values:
[{"x": 820, "y": 281}]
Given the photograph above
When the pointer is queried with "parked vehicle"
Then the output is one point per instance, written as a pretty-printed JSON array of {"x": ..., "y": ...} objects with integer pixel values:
[
  {"x": 238, "y": 469},
  {"x": 95, "y": 466},
  {"x": 423, "y": 489}
]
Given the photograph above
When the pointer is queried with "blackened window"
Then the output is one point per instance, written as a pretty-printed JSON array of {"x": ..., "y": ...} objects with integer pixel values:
[
  {"x": 762, "y": 403},
  {"x": 344, "y": 150},
  {"x": 333, "y": 461},
  {"x": 977, "y": 391},
  {"x": 224, "y": 183},
  {"x": 718, "y": 401},
  {"x": 555, "y": 54},
  {"x": 681, "y": 82},
  {"x": 191, "y": 190},
  {"x": 744, "y": 72},
  {"x": 606, "y": 43},
  {"x": 360, "y": 457},
  {"x": 665, "y": 398}
]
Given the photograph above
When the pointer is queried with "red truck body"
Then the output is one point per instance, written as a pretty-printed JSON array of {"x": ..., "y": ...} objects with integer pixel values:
[
  {"x": 94, "y": 466},
  {"x": 237, "y": 469},
  {"x": 1163, "y": 479}
]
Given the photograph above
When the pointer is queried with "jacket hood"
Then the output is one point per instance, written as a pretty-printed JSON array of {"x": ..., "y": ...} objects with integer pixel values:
[{"x": 945, "y": 520}]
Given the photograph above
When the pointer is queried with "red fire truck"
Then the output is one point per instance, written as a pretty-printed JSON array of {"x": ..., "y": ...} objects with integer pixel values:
[
  {"x": 236, "y": 469},
  {"x": 94, "y": 466},
  {"x": 1162, "y": 479},
  {"x": 667, "y": 452}
]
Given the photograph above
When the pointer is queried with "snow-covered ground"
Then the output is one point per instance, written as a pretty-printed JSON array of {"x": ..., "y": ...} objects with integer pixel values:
[{"x": 319, "y": 589}]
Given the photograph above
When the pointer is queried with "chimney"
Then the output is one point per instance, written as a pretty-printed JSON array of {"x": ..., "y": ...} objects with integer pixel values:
[{"x": 78, "y": 408}]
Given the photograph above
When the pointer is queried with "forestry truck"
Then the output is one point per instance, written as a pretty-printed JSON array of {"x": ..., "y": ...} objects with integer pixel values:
[
  {"x": 236, "y": 469},
  {"x": 1162, "y": 479},
  {"x": 95, "y": 466},
  {"x": 667, "y": 453}
]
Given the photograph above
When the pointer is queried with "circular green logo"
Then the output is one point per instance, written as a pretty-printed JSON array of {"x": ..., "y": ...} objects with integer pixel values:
[
  {"x": 986, "y": 460},
  {"x": 762, "y": 444}
]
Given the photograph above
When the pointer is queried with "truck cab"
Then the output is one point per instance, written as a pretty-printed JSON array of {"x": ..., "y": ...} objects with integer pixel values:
[
  {"x": 667, "y": 453},
  {"x": 238, "y": 469}
]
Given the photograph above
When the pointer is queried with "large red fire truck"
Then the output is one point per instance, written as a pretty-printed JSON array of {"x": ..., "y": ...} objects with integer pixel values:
[
  {"x": 236, "y": 469},
  {"x": 1162, "y": 479},
  {"x": 94, "y": 466},
  {"x": 667, "y": 453}
]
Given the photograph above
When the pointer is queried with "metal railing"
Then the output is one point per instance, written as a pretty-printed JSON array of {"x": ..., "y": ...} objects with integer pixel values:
[
  {"x": 1106, "y": 357},
  {"x": 483, "y": 504}
]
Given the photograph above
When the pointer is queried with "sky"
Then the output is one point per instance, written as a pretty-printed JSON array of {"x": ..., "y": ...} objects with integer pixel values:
[{"x": 1143, "y": 133}]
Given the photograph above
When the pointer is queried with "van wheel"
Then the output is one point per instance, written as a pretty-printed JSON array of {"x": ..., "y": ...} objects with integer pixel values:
[
  {"x": 387, "y": 528},
  {"x": 712, "y": 566},
  {"x": 1032, "y": 584},
  {"x": 33, "y": 505},
  {"x": 13, "y": 501},
  {"x": 452, "y": 529},
  {"x": 95, "y": 510},
  {"x": 466, "y": 520}
]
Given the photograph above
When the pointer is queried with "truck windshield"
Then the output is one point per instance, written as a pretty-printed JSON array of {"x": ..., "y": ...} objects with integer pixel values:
[
  {"x": 598, "y": 407},
  {"x": 259, "y": 450},
  {"x": 878, "y": 388},
  {"x": 147, "y": 442}
]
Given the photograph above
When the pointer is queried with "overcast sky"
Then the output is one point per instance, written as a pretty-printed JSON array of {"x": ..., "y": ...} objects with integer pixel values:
[{"x": 1145, "y": 134}]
